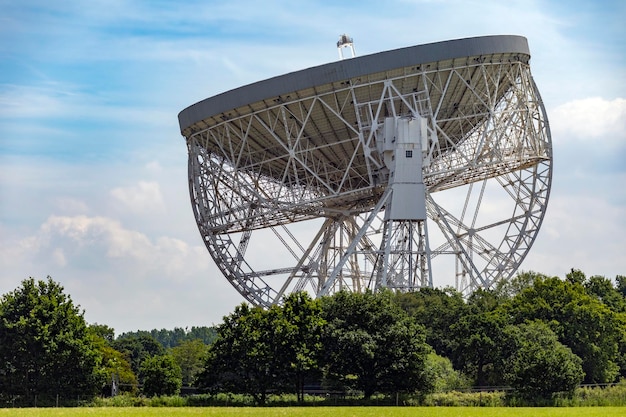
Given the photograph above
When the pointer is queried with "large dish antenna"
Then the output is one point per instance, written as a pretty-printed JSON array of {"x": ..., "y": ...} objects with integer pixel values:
[{"x": 417, "y": 167}]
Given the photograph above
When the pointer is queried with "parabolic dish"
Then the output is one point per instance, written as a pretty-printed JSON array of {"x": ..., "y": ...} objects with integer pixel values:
[{"x": 292, "y": 178}]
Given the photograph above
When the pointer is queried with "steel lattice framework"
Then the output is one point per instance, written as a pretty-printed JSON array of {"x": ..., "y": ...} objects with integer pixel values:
[{"x": 293, "y": 191}]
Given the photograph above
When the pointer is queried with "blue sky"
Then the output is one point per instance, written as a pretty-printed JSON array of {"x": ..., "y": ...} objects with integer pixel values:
[{"x": 93, "y": 187}]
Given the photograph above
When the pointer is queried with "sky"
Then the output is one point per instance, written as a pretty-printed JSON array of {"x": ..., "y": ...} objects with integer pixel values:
[{"x": 93, "y": 168}]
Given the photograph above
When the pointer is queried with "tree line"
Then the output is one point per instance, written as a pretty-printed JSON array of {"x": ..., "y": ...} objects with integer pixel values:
[{"x": 539, "y": 335}]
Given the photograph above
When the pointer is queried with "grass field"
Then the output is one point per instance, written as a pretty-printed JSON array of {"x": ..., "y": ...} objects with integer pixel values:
[{"x": 318, "y": 412}]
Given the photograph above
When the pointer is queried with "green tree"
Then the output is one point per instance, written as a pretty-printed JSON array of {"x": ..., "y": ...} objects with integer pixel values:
[
  {"x": 113, "y": 365},
  {"x": 479, "y": 336},
  {"x": 161, "y": 375},
  {"x": 539, "y": 365},
  {"x": 602, "y": 288},
  {"x": 261, "y": 350},
  {"x": 576, "y": 276},
  {"x": 247, "y": 356},
  {"x": 437, "y": 310},
  {"x": 509, "y": 288},
  {"x": 373, "y": 345},
  {"x": 302, "y": 339},
  {"x": 103, "y": 331},
  {"x": 621, "y": 284},
  {"x": 206, "y": 334},
  {"x": 445, "y": 378},
  {"x": 621, "y": 357},
  {"x": 45, "y": 348},
  {"x": 190, "y": 356},
  {"x": 172, "y": 338},
  {"x": 138, "y": 348},
  {"x": 581, "y": 322}
]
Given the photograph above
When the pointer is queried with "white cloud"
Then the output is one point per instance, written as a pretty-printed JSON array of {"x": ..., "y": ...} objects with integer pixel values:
[
  {"x": 582, "y": 232},
  {"x": 59, "y": 257},
  {"x": 121, "y": 276},
  {"x": 144, "y": 197},
  {"x": 590, "y": 119},
  {"x": 71, "y": 206},
  {"x": 108, "y": 241}
]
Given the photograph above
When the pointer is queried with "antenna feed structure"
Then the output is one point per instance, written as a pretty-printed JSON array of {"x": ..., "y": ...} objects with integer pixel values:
[{"x": 345, "y": 41}]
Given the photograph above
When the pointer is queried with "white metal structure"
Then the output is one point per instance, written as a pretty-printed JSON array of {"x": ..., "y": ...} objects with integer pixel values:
[
  {"x": 417, "y": 167},
  {"x": 345, "y": 42}
]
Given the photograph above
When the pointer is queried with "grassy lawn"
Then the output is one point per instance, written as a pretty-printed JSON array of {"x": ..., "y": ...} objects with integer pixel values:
[{"x": 317, "y": 412}]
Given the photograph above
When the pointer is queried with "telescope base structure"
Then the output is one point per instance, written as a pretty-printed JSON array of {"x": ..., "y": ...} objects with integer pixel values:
[{"x": 428, "y": 175}]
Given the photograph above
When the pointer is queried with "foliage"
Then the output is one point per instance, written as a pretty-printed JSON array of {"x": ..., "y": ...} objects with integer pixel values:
[
  {"x": 506, "y": 289},
  {"x": 161, "y": 375},
  {"x": 530, "y": 332},
  {"x": 621, "y": 284},
  {"x": 190, "y": 355},
  {"x": 302, "y": 349},
  {"x": 582, "y": 322},
  {"x": 539, "y": 365},
  {"x": 172, "y": 338},
  {"x": 247, "y": 356},
  {"x": 621, "y": 356},
  {"x": 137, "y": 349},
  {"x": 437, "y": 310},
  {"x": 445, "y": 378},
  {"x": 258, "y": 351},
  {"x": 611, "y": 395},
  {"x": 466, "y": 399},
  {"x": 45, "y": 348},
  {"x": 602, "y": 288},
  {"x": 113, "y": 365},
  {"x": 479, "y": 336},
  {"x": 372, "y": 345},
  {"x": 102, "y": 331}
]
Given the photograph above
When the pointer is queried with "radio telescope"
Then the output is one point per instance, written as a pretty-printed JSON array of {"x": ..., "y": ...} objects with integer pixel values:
[{"x": 416, "y": 167}]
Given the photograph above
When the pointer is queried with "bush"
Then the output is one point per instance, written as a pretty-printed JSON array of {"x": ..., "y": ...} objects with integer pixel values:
[
  {"x": 465, "y": 399},
  {"x": 161, "y": 375},
  {"x": 444, "y": 376},
  {"x": 540, "y": 365},
  {"x": 610, "y": 395},
  {"x": 123, "y": 400}
]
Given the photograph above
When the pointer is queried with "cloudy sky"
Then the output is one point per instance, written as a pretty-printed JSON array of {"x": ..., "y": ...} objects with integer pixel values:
[{"x": 93, "y": 169}]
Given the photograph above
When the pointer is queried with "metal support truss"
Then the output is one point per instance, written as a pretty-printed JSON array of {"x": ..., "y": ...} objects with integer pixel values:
[{"x": 293, "y": 196}]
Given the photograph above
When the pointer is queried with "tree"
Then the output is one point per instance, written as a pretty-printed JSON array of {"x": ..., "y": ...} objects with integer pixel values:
[
  {"x": 445, "y": 378},
  {"x": 45, "y": 348},
  {"x": 172, "y": 338},
  {"x": 372, "y": 345},
  {"x": 580, "y": 321},
  {"x": 477, "y": 348},
  {"x": 477, "y": 338},
  {"x": 102, "y": 331},
  {"x": 190, "y": 355},
  {"x": 437, "y": 310},
  {"x": 257, "y": 351},
  {"x": 248, "y": 355},
  {"x": 138, "y": 348},
  {"x": 539, "y": 365},
  {"x": 302, "y": 338},
  {"x": 576, "y": 276},
  {"x": 621, "y": 358},
  {"x": 509, "y": 288},
  {"x": 113, "y": 364},
  {"x": 621, "y": 284},
  {"x": 161, "y": 375},
  {"x": 602, "y": 288}
]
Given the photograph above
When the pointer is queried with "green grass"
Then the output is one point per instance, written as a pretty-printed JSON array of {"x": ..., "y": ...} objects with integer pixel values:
[{"x": 318, "y": 412}]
